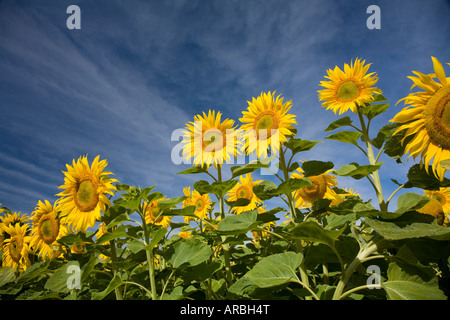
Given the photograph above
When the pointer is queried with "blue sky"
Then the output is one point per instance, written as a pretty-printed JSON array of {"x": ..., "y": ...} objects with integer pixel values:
[{"x": 138, "y": 70}]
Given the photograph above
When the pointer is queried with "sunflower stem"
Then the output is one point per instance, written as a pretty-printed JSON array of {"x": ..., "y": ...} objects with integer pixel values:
[
  {"x": 372, "y": 161},
  {"x": 284, "y": 168},
  {"x": 112, "y": 244},
  {"x": 149, "y": 256},
  {"x": 225, "y": 246}
]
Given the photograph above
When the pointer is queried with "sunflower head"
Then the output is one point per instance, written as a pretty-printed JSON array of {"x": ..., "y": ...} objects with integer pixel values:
[
  {"x": 153, "y": 214},
  {"x": 320, "y": 185},
  {"x": 86, "y": 190},
  {"x": 244, "y": 190},
  {"x": 266, "y": 123},
  {"x": 16, "y": 247},
  {"x": 348, "y": 89},
  {"x": 201, "y": 202},
  {"x": 209, "y": 140},
  {"x": 442, "y": 195},
  {"x": 434, "y": 208},
  {"x": 46, "y": 230},
  {"x": 425, "y": 121}
]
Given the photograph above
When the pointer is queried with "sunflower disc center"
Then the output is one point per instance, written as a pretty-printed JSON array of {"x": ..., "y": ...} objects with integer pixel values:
[
  {"x": 244, "y": 192},
  {"x": 437, "y": 117},
  {"x": 86, "y": 196},
  {"x": 314, "y": 191},
  {"x": 15, "y": 249},
  {"x": 48, "y": 229},
  {"x": 266, "y": 121},
  {"x": 347, "y": 91}
]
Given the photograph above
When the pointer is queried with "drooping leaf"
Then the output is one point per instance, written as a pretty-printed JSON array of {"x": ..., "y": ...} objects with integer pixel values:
[
  {"x": 170, "y": 203},
  {"x": 315, "y": 168},
  {"x": 58, "y": 282},
  {"x": 265, "y": 190},
  {"x": 7, "y": 275},
  {"x": 194, "y": 170},
  {"x": 217, "y": 188},
  {"x": 250, "y": 167},
  {"x": 190, "y": 252},
  {"x": 120, "y": 232},
  {"x": 405, "y": 284},
  {"x": 113, "y": 284},
  {"x": 346, "y": 136},
  {"x": 276, "y": 269},
  {"x": 238, "y": 224},
  {"x": 299, "y": 145},
  {"x": 418, "y": 177},
  {"x": 312, "y": 231},
  {"x": 392, "y": 231},
  {"x": 411, "y": 201},
  {"x": 345, "y": 121},
  {"x": 373, "y": 110},
  {"x": 356, "y": 171}
]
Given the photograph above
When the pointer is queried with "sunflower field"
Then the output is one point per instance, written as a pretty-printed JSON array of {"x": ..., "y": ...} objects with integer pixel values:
[{"x": 224, "y": 240}]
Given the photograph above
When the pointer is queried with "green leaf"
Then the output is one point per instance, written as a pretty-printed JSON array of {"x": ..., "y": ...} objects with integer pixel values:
[
  {"x": 419, "y": 178},
  {"x": 373, "y": 110},
  {"x": 7, "y": 275},
  {"x": 291, "y": 185},
  {"x": 346, "y": 136},
  {"x": 240, "y": 223},
  {"x": 276, "y": 269},
  {"x": 36, "y": 270},
  {"x": 118, "y": 220},
  {"x": 189, "y": 252},
  {"x": 410, "y": 202},
  {"x": 240, "y": 202},
  {"x": 265, "y": 190},
  {"x": 299, "y": 145},
  {"x": 393, "y": 231},
  {"x": 312, "y": 231},
  {"x": 378, "y": 98},
  {"x": 120, "y": 232},
  {"x": 404, "y": 284},
  {"x": 315, "y": 168},
  {"x": 186, "y": 211},
  {"x": 346, "y": 121},
  {"x": 217, "y": 188},
  {"x": 156, "y": 236},
  {"x": 113, "y": 284},
  {"x": 169, "y": 203},
  {"x": 356, "y": 171},
  {"x": 250, "y": 167},
  {"x": 88, "y": 267},
  {"x": 58, "y": 281},
  {"x": 194, "y": 170}
]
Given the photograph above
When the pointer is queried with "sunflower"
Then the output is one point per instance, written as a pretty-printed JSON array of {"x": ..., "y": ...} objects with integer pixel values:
[
  {"x": 320, "y": 186},
  {"x": 46, "y": 230},
  {"x": 208, "y": 140},
  {"x": 153, "y": 214},
  {"x": 443, "y": 196},
  {"x": 16, "y": 247},
  {"x": 434, "y": 208},
  {"x": 201, "y": 202},
  {"x": 185, "y": 234},
  {"x": 244, "y": 189},
  {"x": 349, "y": 88},
  {"x": 11, "y": 219},
  {"x": 337, "y": 198},
  {"x": 267, "y": 123},
  {"x": 426, "y": 119},
  {"x": 85, "y": 192}
]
